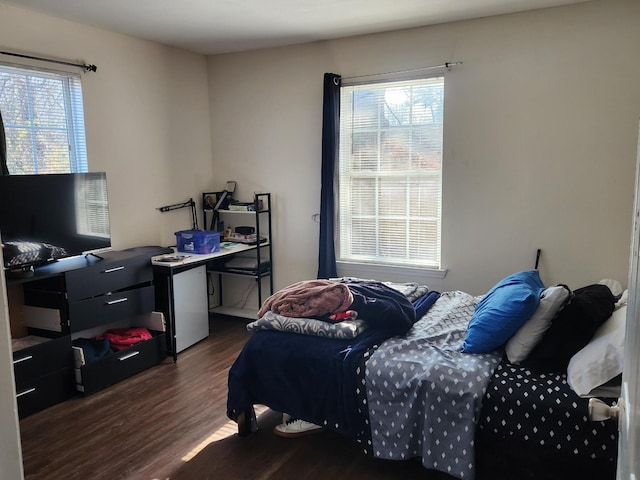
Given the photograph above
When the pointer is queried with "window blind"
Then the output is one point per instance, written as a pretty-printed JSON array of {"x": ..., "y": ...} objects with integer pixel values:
[{"x": 390, "y": 173}]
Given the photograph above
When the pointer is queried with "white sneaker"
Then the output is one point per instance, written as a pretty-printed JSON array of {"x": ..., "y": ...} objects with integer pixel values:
[{"x": 295, "y": 427}]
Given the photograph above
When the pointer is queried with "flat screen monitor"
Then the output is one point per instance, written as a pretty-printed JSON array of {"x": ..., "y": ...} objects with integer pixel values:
[{"x": 44, "y": 218}]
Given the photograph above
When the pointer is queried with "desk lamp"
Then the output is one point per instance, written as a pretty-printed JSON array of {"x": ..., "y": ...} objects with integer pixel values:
[{"x": 188, "y": 203}]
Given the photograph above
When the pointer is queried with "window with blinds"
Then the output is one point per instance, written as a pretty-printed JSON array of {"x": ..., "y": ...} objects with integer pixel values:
[
  {"x": 43, "y": 121},
  {"x": 390, "y": 174}
]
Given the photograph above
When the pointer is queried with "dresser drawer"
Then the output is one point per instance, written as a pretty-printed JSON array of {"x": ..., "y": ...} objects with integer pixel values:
[
  {"x": 46, "y": 293},
  {"x": 44, "y": 391},
  {"x": 42, "y": 359},
  {"x": 121, "y": 365},
  {"x": 117, "y": 271},
  {"x": 93, "y": 312}
]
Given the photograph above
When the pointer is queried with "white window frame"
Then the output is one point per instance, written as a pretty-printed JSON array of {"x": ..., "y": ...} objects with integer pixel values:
[
  {"x": 370, "y": 266},
  {"x": 41, "y": 140}
]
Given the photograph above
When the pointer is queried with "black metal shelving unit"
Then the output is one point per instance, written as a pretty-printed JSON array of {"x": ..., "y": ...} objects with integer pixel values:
[{"x": 260, "y": 216}]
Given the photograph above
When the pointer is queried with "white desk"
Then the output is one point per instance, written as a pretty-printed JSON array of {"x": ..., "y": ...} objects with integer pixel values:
[
  {"x": 181, "y": 293},
  {"x": 226, "y": 248}
]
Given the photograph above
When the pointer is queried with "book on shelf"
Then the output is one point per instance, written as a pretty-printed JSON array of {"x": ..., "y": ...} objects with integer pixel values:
[
  {"x": 242, "y": 207},
  {"x": 245, "y": 206}
]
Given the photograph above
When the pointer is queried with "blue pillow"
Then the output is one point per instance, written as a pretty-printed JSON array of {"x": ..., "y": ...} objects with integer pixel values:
[{"x": 502, "y": 311}]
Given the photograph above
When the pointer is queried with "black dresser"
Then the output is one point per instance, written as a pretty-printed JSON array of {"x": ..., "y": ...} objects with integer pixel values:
[{"x": 81, "y": 298}]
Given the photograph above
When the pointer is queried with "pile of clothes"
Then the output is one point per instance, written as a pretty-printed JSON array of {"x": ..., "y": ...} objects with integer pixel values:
[
  {"x": 113, "y": 340},
  {"x": 380, "y": 305}
]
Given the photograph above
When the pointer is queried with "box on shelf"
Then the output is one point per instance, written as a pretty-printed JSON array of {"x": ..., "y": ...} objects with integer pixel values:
[{"x": 198, "y": 241}]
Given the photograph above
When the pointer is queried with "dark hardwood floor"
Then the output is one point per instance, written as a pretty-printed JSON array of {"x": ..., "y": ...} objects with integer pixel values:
[{"x": 170, "y": 422}]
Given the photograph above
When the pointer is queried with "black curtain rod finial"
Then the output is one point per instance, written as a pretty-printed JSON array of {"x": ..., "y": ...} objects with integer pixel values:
[{"x": 85, "y": 67}]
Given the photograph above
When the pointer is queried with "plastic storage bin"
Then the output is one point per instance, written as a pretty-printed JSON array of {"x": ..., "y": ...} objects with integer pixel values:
[{"x": 198, "y": 241}]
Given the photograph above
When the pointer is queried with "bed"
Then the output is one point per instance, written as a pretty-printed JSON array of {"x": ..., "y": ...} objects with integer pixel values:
[{"x": 467, "y": 398}]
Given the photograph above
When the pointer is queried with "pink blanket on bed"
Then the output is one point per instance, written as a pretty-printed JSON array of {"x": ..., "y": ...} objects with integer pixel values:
[{"x": 309, "y": 298}]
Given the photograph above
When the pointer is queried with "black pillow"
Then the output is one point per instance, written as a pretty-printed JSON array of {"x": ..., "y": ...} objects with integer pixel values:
[{"x": 572, "y": 329}]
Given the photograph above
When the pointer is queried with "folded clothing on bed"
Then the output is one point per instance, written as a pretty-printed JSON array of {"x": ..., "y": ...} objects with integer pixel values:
[
  {"x": 308, "y": 326},
  {"x": 350, "y": 328},
  {"x": 380, "y": 305},
  {"x": 309, "y": 298}
]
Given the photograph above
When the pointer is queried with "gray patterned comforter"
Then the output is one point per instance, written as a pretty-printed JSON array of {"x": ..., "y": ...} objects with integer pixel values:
[{"x": 424, "y": 394}]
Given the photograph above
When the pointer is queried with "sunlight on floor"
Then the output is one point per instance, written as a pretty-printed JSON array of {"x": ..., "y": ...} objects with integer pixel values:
[{"x": 228, "y": 429}]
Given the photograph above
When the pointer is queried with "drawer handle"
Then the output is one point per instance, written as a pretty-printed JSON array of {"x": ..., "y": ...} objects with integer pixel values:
[
  {"x": 23, "y": 359},
  {"x": 111, "y": 270},
  {"x": 31, "y": 390},
  {"x": 113, "y": 302},
  {"x": 126, "y": 357}
]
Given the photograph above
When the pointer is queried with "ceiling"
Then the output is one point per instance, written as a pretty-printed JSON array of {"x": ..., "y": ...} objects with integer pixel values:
[{"x": 221, "y": 26}]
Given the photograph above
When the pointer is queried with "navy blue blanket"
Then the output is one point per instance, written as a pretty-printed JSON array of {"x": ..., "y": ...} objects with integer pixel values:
[
  {"x": 316, "y": 378},
  {"x": 382, "y": 307}
]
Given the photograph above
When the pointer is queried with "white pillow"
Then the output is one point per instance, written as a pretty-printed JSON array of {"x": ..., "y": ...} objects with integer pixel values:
[
  {"x": 614, "y": 286},
  {"x": 602, "y": 358},
  {"x": 527, "y": 337}
]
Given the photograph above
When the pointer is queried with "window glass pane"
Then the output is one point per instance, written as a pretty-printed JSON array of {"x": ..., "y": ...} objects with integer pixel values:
[
  {"x": 367, "y": 109},
  {"x": 428, "y": 104},
  {"x": 365, "y": 151},
  {"x": 48, "y": 103},
  {"x": 392, "y": 239},
  {"x": 361, "y": 246},
  {"x": 363, "y": 201},
  {"x": 427, "y": 230},
  {"x": 424, "y": 197},
  {"x": 390, "y": 182},
  {"x": 18, "y": 148},
  {"x": 393, "y": 198},
  {"x": 396, "y": 150}
]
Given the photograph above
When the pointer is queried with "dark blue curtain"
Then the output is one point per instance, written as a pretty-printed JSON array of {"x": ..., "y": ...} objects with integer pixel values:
[
  {"x": 3, "y": 150},
  {"x": 330, "y": 137}
]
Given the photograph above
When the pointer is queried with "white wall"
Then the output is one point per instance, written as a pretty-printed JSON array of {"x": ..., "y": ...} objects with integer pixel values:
[
  {"x": 146, "y": 114},
  {"x": 539, "y": 147}
]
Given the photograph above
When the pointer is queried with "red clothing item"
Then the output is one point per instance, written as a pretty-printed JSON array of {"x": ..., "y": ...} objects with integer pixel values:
[
  {"x": 339, "y": 317},
  {"x": 121, "y": 338}
]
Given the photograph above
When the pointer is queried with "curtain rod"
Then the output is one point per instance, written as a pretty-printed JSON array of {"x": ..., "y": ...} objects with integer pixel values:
[
  {"x": 446, "y": 65},
  {"x": 86, "y": 68}
]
